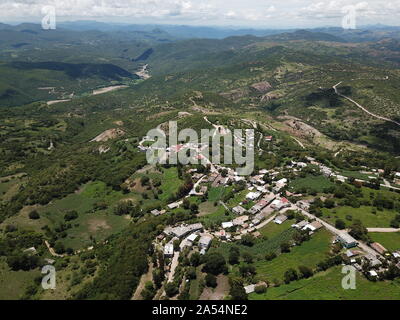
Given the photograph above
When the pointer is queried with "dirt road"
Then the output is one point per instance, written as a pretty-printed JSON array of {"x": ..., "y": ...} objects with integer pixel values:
[{"x": 362, "y": 108}]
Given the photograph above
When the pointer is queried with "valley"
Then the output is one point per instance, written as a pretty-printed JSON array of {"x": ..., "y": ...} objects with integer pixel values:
[{"x": 77, "y": 191}]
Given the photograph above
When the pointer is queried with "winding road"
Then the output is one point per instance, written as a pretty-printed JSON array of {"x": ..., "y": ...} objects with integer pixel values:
[{"x": 362, "y": 108}]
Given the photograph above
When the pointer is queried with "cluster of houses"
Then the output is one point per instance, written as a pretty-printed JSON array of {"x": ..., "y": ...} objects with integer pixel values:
[{"x": 188, "y": 236}]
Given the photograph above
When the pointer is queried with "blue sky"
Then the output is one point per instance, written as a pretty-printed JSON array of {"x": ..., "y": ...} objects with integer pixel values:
[{"x": 253, "y": 13}]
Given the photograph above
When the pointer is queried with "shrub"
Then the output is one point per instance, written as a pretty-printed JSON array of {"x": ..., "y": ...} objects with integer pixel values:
[
  {"x": 260, "y": 289},
  {"x": 211, "y": 280},
  {"x": 34, "y": 215}
]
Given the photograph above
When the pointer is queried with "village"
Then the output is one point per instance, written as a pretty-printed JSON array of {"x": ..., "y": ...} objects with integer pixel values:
[{"x": 269, "y": 205}]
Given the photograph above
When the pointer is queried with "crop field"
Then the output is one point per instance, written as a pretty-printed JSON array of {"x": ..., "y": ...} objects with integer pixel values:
[
  {"x": 327, "y": 286},
  {"x": 309, "y": 253},
  {"x": 312, "y": 183},
  {"x": 272, "y": 229}
]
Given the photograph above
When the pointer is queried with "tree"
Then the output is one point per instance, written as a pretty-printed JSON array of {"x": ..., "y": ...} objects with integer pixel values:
[
  {"x": 290, "y": 275},
  {"x": 285, "y": 247},
  {"x": 237, "y": 291},
  {"x": 247, "y": 257},
  {"x": 305, "y": 272},
  {"x": 247, "y": 270},
  {"x": 34, "y": 215},
  {"x": 191, "y": 273},
  {"x": 248, "y": 240},
  {"x": 270, "y": 256},
  {"x": 158, "y": 277},
  {"x": 71, "y": 215},
  {"x": 329, "y": 203},
  {"x": 260, "y": 289},
  {"x": 59, "y": 247},
  {"x": 214, "y": 263},
  {"x": 195, "y": 259},
  {"x": 358, "y": 231},
  {"x": 340, "y": 224},
  {"x": 149, "y": 291},
  {"x": 234, "y": 255},
  {"x": 186, "y": 204},
  {"x": 171, "y": 289},
  {"x": 211, "y": 280}
]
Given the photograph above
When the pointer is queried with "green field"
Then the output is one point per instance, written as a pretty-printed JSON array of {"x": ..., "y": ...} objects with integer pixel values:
[
  {"x": 327, "y": 286},
  {"x": 272, "y": 229},
  {"x": 312, "y": 183},
  {"x": 13, "y": 283},
  {"x": 309, "y": 254},
  {"x": 390, "y": 241},
  {"x": 96, "y": 224},
  {"x": 370, "y": 220}
]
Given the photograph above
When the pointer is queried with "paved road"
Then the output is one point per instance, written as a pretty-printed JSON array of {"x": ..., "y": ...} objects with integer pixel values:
[
  {"x": 362, "y": 108},
  {"x": 193, "y": 191},
  {"x": 383, "y": 230},
  {"x": 174, "y": 264},
  {"x": 263, "y": 224}
]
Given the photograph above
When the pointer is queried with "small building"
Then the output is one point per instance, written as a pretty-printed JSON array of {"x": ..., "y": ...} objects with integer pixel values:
[
  {"x": 239, "y": 210},
  {"x": 192, "y": 238},
  {"x": 227, "y": 225},
  {"x": 279, "y": 204},
  {"x": 239, "y": 221},
  {"x": 157, "y": 212},
  {"x": 305, "y": 205},
  {"x": 258, "y": 206},
  {"x": 169, "y": 250},
  {"x": 373, "y": 260},
  {"x": 327, "y": 172},
  {"x": 373, "y": 273},
  {"x": 205, "y": 241},
  {"x": 250, "y": 288},
  {"x": 268, "y": 138},
  {"x": 280, "y": 219},
  {"x": 183, "y": 230},
  {"x": 300, "y": 225},
  {"x": 347, "y": 241},
  {"x": 313, "y": 226},
  {"x": 173, "y": 205},
  {"x": 253, "y": 196},
  {"x": 378, "y": 248}
]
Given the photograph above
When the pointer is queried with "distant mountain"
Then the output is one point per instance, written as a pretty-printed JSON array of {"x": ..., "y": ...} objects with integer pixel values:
[{"x": 305, "y": 35}]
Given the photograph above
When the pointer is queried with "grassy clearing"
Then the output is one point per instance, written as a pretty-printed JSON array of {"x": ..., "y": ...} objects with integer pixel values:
[
  {"x": 312, "y": 183},
  {"x": 216, "y": 194},
  {"x": 90, "y": 224},
  {"x": 365, "y": 214},
  {"x": 327, "y": 286},
  {"x": 13, "y": 283},
  {"x": 308, "y": 254},
  {"x": 272, "y": 229},
  {"x": 391, "y": 241}
]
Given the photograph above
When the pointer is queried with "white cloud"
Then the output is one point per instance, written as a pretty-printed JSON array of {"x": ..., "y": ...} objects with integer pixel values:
[{"x": 251, "y": 12}]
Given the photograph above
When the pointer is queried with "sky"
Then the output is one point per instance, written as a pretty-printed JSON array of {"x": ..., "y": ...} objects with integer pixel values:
[{"x": 249, "y": 13}]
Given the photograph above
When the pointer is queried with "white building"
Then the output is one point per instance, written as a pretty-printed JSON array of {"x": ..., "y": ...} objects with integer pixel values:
[
  {"x": 253, "y": 196},
  {"x": 227, "y": 225},
  {"x": 205, "y": 241},
  {"x": 169, "y": 250}
]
